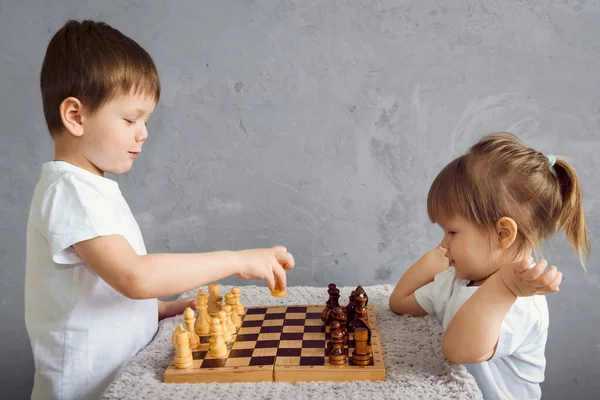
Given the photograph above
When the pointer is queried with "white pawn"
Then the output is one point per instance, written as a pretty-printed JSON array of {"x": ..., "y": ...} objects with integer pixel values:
[
  {"x": 235, "y": 317},
  {"x": 236, "y": 292},
  {"x": 226, "y": 334},
  {"x": 230, "y": 325},
  {"x": 218, "y": 348}
]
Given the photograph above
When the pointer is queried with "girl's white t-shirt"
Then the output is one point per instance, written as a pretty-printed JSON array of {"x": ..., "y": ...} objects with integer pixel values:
[
  {"x": 82, "y": 331},
  {"x": 517, "y": 368}
]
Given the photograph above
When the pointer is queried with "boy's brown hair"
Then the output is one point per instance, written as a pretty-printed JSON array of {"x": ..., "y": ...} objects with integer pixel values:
[
  {"x": 501, "y": 177},
  {"x": 92, "y": 62}
]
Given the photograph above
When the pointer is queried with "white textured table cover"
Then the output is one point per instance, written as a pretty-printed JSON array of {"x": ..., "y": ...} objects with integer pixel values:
[{"x": 415, "y": 366}]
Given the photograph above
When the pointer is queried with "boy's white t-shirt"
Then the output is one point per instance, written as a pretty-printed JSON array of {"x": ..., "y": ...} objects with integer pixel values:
[
  {"x": 82, "y": 331},
  {"x": 517, "y": 368}
]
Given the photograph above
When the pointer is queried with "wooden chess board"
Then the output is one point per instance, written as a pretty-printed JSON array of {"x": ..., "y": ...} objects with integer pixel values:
[{"x": 282, "y": 344}]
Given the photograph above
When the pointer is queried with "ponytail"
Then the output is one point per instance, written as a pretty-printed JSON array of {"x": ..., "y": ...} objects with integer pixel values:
[{"x": 572, "y": 217}]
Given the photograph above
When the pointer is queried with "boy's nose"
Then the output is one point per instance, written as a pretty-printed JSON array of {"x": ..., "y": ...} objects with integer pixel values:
[{"x": 142, "y": 134}]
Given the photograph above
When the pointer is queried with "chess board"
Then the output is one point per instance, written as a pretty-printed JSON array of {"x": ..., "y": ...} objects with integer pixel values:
[{"x": 282, "y": 344}]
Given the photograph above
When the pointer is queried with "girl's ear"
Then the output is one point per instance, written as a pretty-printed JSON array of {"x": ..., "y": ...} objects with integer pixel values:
[{"x": 506, "y": 231}]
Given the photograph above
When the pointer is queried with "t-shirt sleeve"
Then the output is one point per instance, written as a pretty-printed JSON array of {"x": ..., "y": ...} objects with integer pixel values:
[
  {"x": 519, "y": 325},
  {"x": 73, "y": 210},
  {"x": 434, "y": 296}
]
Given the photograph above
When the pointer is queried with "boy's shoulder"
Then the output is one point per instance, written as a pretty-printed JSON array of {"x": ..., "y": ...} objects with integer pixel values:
[{"x": 60, "y": 179}]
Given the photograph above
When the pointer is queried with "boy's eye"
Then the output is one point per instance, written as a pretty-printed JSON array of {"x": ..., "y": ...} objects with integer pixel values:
[
  {"x": 451, "y": 232},
  {"x": 129, "y": 121}
]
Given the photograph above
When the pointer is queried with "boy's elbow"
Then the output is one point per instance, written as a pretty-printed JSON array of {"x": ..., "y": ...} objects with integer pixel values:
[{"x": 133, "y": 285}]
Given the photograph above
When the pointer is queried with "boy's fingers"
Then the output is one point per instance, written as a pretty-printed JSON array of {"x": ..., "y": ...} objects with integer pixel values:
[
  {"x": 270, "y": 281},
  {"x": 285, "y": 259},
  {"x": 279, "y": 248},
  {"x": 554, "y": 286},
  {"x": 523, "y": 265},
  {"x": 280, "y": 276}
]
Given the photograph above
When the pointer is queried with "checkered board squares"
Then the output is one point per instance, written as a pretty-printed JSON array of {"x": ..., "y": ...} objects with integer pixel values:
[{"x": 280, "y": 343}]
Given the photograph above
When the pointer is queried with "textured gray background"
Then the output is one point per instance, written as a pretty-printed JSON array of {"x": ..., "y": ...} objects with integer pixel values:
[{"x": 320, "y": 125}]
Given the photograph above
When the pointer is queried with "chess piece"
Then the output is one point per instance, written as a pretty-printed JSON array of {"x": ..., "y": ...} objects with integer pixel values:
[
  {"x": 337, "y": 355},
  {"x": 326, "y": 315},
  {"x": 217, "y": 347},
  {"x": 361, "y": 320},
  {"x": 230, "y": 325},
  {"x": 177, "y": 330},
  {"x": 361, "y": 354},
  {"x": 190, "y": 318},
  {"x": 339, "y": 314},
  {"x": 202, "y": 322},
  {"x": 360, "y": 290},
  {"x": 183, "y": 351},
  {"x": 226, "y": 333},
  {"x": 334, "y": 326},
  {"x": 334, "y": 296},
  {"x": 235, "y": 317},
  {"x": 214, "y": 300},
  {"x": 236, "y": 292},
  {"x": 350, "y": 307}
]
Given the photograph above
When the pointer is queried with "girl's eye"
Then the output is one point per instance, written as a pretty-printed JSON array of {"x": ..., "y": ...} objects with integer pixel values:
[
  {"x": 451, "y": 233},
  {"x": 129, "y": 121}
]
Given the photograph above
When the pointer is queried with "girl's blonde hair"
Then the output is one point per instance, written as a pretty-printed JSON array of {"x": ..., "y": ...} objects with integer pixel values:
[{"x": 501, "y": 177}]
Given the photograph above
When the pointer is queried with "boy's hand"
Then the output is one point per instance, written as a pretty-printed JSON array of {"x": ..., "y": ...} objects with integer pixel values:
[
  {"x": 268, "y": 264},
  {"x": 524, "y": 281},
  {"x": 167, "y": 309}
]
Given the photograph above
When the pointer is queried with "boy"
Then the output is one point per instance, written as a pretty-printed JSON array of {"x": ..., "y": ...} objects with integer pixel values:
[{"x": 90, "y": 288}]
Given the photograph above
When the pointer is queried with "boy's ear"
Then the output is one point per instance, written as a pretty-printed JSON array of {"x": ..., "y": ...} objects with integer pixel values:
[
  {"x": 71, "y": 113},
  {"x": 506, "y": 229}
]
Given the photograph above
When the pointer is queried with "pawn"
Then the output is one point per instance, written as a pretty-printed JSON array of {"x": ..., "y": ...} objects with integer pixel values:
[
  {"x": 217, "y": 347},
  {"x": 235, "y": 317},
  {"x": 190, "y": 318},
  {"x": 339, "y": 314},
  {"x": 226, "y": 334},
  {"x": 335, "y": 325},
  {"x": 183, "y": 351},
  {"x": 337, "y": 355},
  {"x": 237, "y": 294},
  {"x": 334, "y": 295},
  {"x": 230, "y": 325}
]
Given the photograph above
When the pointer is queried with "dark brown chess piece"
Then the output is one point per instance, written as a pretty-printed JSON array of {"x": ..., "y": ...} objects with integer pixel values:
[
  {"x": 337, "y": 355},
  {"x": 339, "y": 314},
  {"x": 361, "y": 321},
  {"x": 335, "y": 324},
  {"x": 334, "y": 296},
  {"x": 360, "y": 289},
  {"x": 350, "y": 307},
  {"x": 361, "y": 354}
]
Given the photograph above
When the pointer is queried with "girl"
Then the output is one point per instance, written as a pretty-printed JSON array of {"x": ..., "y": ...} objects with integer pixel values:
[{"x": 496, "y": 204}]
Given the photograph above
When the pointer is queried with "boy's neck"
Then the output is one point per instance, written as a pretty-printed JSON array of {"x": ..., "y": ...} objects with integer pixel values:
[{"x": 65, "y": 149}]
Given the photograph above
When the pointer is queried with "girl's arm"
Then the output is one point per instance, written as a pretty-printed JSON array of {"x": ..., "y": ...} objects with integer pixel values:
[
  {"x": 473, "y": 333},
  {"x": 422, "y": 272}
]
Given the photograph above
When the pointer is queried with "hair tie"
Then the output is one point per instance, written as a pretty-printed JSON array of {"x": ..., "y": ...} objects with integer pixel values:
[{"x": 551, "y": 160}]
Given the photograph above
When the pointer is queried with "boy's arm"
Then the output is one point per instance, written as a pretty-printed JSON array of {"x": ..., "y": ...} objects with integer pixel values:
[
  {"x": 160, "y": 275},
  {"x": 422, "y": 272},
  {"x": 473, "y": 333}
]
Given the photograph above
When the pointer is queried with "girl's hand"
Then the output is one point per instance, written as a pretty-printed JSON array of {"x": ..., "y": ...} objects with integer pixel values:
[{"x": 523, "y": 280}]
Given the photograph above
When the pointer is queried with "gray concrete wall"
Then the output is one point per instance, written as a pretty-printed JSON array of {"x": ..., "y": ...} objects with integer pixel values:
[{"x": 320, "y": 125}]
